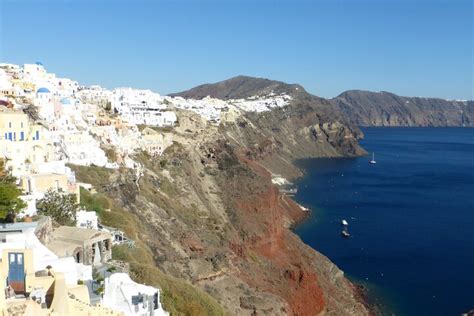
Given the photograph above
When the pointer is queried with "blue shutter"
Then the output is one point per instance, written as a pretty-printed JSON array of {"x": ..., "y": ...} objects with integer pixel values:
[
  {"x": 37, "y": 135},
  {"x": 22, "y": 136}
]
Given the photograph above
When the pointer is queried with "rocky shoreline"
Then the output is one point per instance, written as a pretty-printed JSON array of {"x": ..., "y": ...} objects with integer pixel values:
[{"x": 360, "y": 291}]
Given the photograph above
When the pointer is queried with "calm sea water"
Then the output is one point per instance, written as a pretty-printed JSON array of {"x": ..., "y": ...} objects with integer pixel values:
[{"x": 411, "y": 217}]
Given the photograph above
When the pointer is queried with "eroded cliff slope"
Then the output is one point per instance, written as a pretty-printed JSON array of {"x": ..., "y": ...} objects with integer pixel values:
[
  {"x": 206, "y": 212},
  {"x": 309, "y": 127}
]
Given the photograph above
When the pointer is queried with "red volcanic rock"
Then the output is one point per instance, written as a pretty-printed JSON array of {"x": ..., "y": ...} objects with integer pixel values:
[
  {"x": 237, "y": 249},
  {"x": 281, "y": 270},
  {"x": 192, "y": 243}
]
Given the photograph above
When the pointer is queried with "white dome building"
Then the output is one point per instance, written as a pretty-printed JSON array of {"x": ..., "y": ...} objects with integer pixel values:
[{"x": 44, "y": 103}]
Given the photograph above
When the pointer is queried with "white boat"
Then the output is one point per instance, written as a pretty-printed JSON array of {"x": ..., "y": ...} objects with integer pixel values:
[
  {"x": 345, "y": 234},
  {"x": 344, "y": 222},
  {"x": 373, "y": 159}
]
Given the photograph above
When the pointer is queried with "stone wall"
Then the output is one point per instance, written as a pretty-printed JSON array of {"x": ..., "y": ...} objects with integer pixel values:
[{"x": 44, "y": 230}]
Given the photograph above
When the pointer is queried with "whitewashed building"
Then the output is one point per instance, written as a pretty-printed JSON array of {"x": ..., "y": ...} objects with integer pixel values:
[
  {"x": 87, "y": 219},
  {"x": 82, "y": 149},
  {"x": 142, "y": 107},
  {"x": 22, "y": 236},
  {"x": 123, "y": 294}
]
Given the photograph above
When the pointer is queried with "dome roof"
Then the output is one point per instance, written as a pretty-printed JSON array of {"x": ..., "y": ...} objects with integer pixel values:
[
  {"x": 43, "y": 90},
  {"x": 66, "y": 101}
]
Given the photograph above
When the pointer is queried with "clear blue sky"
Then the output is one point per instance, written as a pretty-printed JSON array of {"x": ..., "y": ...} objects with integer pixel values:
[{"x": 414, "y": 48}]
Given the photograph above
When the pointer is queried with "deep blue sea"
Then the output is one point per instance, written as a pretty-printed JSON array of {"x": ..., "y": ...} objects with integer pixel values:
[{"x": 411, "y": 217}]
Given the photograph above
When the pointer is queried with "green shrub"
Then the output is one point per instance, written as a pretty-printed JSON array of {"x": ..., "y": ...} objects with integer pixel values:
[
  {"x": 97, "y": 176},
  {"x": 10, "y": 202},
  {"x": 61, "y": 207},
  {"x": 97, "y": 202}
]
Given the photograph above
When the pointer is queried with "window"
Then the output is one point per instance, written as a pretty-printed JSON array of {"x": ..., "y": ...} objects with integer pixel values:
[
  {"x": 10, "y": 124},
  {"x": 22, "y": 136},
  {"x": 37, "y": 135}
]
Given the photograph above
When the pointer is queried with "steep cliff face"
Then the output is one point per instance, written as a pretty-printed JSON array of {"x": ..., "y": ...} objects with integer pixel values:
[
  {"x": 308, "y": 127},
  {"x": 209, "y": 215},
  {"x": 235, "y": 240},
  {"x": 364, "y": 108},
  {"x": 297, "y": 131}
]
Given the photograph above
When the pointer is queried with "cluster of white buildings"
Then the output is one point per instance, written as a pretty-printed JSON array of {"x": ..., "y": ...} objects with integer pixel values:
[
  {"x": 47, "y": 122},
  {"x": 76, "y": 124},
  {"x": 142, "y": 107},
  {"x": 216, "y": 110},
  {"x": 261, "y": 103},
  {"x": 67, "y": 123}
]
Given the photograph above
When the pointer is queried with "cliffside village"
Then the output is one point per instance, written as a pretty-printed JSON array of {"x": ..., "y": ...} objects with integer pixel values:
[{"x": 47, "y": 123}]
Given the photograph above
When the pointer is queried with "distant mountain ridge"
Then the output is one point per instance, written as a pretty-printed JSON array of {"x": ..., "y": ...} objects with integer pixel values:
[
  {"x": 358, "y": 107},
  {"x": 239, "y": 87},
  {"x": 366, "y": 108}
]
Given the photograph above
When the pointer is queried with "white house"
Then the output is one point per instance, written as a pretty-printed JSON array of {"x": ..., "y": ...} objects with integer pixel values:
[
  {"x": 22, "y": 236},
  {"x": 21, "y": 142},
  {"x": 82, "y": 149},
  {"x": 131, "y": 298},
  {"x": 87, "y": 219},
  {"x": 44, "y": 102},
  {"x": 142, "y": 107}
]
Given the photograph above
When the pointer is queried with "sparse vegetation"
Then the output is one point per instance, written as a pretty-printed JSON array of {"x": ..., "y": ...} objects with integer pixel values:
[
  {"x": 122, "y": 220},
  {"x": 97, "y": 202},
  {"x": 97, "y": 176},
  {"x": 110, "y": 153},
  {"x": 178, "y": 297},
  {"x": 167, "y": 187},
  {"x": 163, "y": 163}
]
